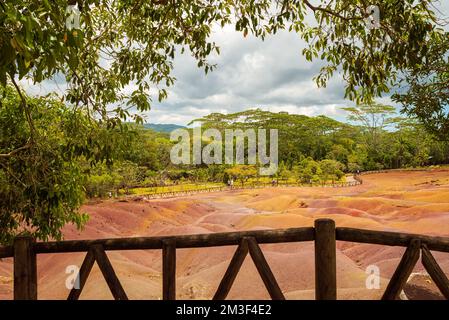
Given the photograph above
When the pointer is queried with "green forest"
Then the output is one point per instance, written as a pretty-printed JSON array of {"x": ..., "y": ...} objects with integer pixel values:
[
  {"x": 130, "y": 158},
  {"x": 57, "y": 150},
  {"x": 311, "y": 150},
  {"x": 78, "y": 158}
]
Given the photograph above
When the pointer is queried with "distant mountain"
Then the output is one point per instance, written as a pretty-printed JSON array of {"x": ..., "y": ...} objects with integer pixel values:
[{"x": 162, "y": 127}]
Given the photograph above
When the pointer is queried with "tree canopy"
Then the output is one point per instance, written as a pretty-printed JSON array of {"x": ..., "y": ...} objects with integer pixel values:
[
  {"x": 43, "y": 184},
  {"x": 41, "y": 187},
  {"x": 121, "y": 42},
  {"x": 424, "y": 90},
  {"x": 120, "y": 58}
]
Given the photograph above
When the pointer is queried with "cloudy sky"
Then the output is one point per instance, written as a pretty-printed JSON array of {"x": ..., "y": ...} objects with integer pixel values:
[{"x": 271, "y": 75}]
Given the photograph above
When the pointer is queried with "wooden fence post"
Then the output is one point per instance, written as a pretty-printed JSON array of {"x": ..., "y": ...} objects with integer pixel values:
[
  {"x": 169, "y": 270},
  {"x": 25, "y": 270},
  {"x": 325, "y": 260}
]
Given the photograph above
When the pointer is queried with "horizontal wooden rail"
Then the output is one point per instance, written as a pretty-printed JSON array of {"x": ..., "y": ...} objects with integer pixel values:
[
  {"x": 184, "y": 241},
  {"x": 391, "y": 238},
  {"x": 233, "y": 238},
  {"x": 6, "y": 252}
]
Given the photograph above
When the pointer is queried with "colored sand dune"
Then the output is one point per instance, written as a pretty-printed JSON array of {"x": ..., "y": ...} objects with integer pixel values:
[{"x": 416, "y": 202}]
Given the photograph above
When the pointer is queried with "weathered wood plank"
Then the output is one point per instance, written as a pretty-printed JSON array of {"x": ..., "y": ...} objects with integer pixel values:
[
  {"x": 83, "y": 274},
  {"x": 436, "y": 273},
  {"x": 233, "y": 238},
  {"x": 6, "y": 252},
  {"x": 169, "y": 270},
  {"x": 264, "y": 270},
  {"x": 232, "y": 271},
  {"x": 187, "y": 241},
  {"x": 391, "y": 238},
  {"x": 325, "y": 260},
  {"x": 25, "y": 269},
  {"x": 109, "y": 273},
  {"x": 403, "y": 271}
]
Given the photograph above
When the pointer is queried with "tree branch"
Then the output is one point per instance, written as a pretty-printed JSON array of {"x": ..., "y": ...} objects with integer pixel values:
[
  {"x": 328, "y": 11},
  {"x": 10, "y": 154},
  {"x": 24, "y": 108}
]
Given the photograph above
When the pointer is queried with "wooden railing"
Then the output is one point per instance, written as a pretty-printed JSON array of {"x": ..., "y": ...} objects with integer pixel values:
[
  {"x": 255, "y": 185},
  {"x": 324, "y": 234}
]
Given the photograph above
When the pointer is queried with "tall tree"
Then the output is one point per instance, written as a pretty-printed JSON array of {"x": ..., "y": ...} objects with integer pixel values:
[
  {"x": 374, "y": 118},
  {"x": 41, "y": 186},
  {"x": 424, "y": 90}
]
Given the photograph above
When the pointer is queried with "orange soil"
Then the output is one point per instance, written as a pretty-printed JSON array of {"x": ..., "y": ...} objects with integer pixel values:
[{"x": 415, "y": 202}]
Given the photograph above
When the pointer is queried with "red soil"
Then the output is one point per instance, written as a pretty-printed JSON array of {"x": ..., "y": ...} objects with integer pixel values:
[{"x": 415, "y": 202}]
